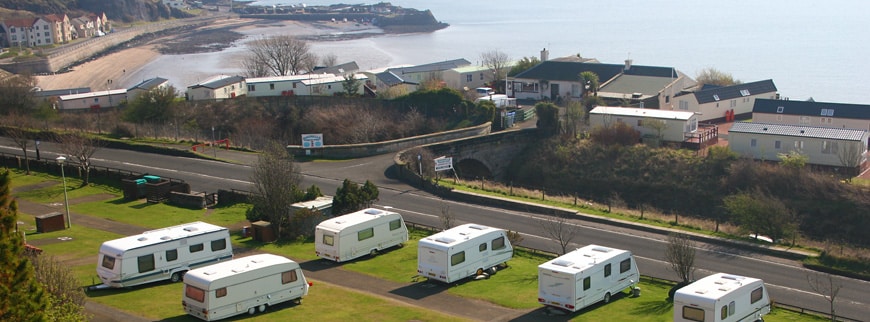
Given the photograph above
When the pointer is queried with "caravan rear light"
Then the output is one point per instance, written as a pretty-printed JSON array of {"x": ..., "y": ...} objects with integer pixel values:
[
  {"x": 310, "y": 284},
  {"x": 569, "y": 306},
  {"x": 541, "y": 300}
]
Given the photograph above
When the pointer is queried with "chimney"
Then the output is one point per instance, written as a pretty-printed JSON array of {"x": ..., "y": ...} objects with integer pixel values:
[
  {"x": 545, "y": 55},
  {"x": 627, "y": 65}
]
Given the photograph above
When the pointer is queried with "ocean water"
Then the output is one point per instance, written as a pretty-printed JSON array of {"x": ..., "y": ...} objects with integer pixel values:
[{"x": 809, "y": 49}]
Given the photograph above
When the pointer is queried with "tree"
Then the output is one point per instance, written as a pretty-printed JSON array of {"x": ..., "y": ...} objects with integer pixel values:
[
  {"x": 80, "y": 146},
  {"x": 758, "y": 212},
  {"x": 828, "y": 287},
  {"x": 850, "y": 158},
  {"x": 575, "y": 117},
  {"x": 497, "y": 62},
  {"x": 659, "y": 126},
  {"x": 680, "y": 253},
  {"x": 369, "y": 193},
  {"x": 16, "y": 129},
  {"x": 154, "y": 107},
  {"x": 794, "y": 159},
  {"x": 329, "y": 60},
  {"x": 350, "y": 85},
  {"x": 590, "y": 82},
  {"x": 559, "y": 229},
  {"x": 22, "y": 296},
  {"x": 713, "y": 76},
  {"x": 275, "y": 181},
  {"x": 447, "y": 218},
  {"x": 524, "y": 64},
  {"x": 66, "y": 298},
  {"x": 280, "y": 55},
  {"x": 350, "y": 197},
  {"x": 16, "y": 94},
  {"x": 548, "y": 119}
]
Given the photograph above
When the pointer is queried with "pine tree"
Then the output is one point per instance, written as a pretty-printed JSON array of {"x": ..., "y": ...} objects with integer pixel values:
[{"x": 21, "y": 296}]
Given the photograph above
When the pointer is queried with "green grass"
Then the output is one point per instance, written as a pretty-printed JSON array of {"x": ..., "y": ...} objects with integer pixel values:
[{"x": 156, "y": 215}]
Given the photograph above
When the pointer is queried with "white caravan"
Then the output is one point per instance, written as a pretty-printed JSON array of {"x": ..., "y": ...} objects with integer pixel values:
[
  {"x": 248, "y": 284},
  {"x": 162, "y": 254},
  {"x": 462, "y": 251},
  {"x": 586, "y": 276},
  {"x": 367, "y": 231},
  {"x": 722, "y": 297}
]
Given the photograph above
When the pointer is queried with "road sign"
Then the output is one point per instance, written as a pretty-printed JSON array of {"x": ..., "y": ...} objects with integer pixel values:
[
  {"x": 443, "y": 163},
  {"x": 312, "y": 140}
]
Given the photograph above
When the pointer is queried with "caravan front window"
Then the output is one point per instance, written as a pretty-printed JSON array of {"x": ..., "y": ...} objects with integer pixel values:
[
  {"x": 395, "y": 224},
  {"x": 693, "y": 314},
  {"x": 288, "y": 277},
  {"x": 108, "y": 262},
  {"x": 328, "y": 240},
  {"x": 194, "y": 293},
  {"x": 498, "y": 243},
  {"x": 624, "y": 265},
  {"x": 757, "y": 294},
  {"x": 221, "y": 292},
  {"x": 146, "y": 263}
]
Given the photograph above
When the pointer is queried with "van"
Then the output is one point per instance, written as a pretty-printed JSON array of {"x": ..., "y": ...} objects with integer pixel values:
[
  {"x": 484, "y": 91},
  {"x": 722, "y": 298},
  {"x": 162, "y": 254},
  {"x": 586, "y": 276},
  {"x": 462, "y": 251},
  {"x": 249, "y": 284},
  {"x": 365, "y": 232}
]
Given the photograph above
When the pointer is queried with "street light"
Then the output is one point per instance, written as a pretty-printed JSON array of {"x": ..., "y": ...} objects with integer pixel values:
[
  {"x": 213, "y": 143},
  {"x": 37, "y": 149},
  {"x": 60, "y": 161}
]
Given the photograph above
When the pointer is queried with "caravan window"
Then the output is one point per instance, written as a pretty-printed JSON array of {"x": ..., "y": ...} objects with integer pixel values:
[
  {"x": 498, "y": 243},
  {"x": 328, "y": 240},
  {"x": 457, "y": 258},
  {"x": 723, "y": 312},
  {"x": 108, "y": 262},
  {"x": 482, "y": 247},
  {"x": 365, "y": 234},
  {"x": 395, "y": 224},
  {"x": 171, "y": 255},
  {"x": 221, "y": 292},
  {"x": 607, "y": 270},
  {"x": 693, "y": 314},
  {"x": 625, "y": 265},
  {"x": 146, "y": 263},
  {"x": 194, "y": 293},
  {"x": 219, "y": 244},
  {"x": 196, "y": 248},
  {"x": 587, "y": 283},
  {"x": 288, "y": 277},
  {"x": 757, "y": 294}
]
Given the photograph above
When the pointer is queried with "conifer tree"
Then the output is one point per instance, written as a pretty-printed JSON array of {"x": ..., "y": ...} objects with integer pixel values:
[{"x": 21, "y": 296}]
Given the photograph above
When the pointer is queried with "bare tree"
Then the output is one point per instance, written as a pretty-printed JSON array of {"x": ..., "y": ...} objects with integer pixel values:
[
  {"x": 80, "y": 146},
  {"x": 497, "y": 63},
  {"x": 850, "y": 158},
  {"x": 680, "y": 253},
  {"x": 575, "y": 117},
  {"x": 658, "y": 126},
  {"x": 275, "y": 181},
  {"x": 826, "y": 286},
  {"x": 558, "y": 228},
  {"x": 329, "y": 60},
  {"x": 447, "y": 218},
  {"x": 16, "y": 126},
  {"x": 280, "y": 55}
]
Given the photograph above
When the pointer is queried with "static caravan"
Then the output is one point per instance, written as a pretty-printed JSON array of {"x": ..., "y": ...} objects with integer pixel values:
[
  {"x": 354, "y": 235},
  {"x": 162, "y": 254},
  {"x": 722, "y": 298},
  {"x": 248, "y": 284},
  {"x": 462, "y": 251},
  {"x": 586, "y": 276}
]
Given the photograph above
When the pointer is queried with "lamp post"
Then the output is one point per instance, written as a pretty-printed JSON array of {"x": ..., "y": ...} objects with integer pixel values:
[
  {"x": 37, "y": 149},
  {"x": 213, "y": 143},
  {"x": 60, "y": 161}
]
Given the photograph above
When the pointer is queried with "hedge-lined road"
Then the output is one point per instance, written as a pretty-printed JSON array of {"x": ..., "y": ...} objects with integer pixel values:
[{"x": 786, "y": 279}]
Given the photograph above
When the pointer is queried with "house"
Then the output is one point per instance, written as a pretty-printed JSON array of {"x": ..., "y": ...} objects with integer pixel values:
[
  {"x": 824, "y": 147},
  {"x": 60, "y": 28},
  {"x": 677, "y": 125},
  {"x": 340, "y": 69},
  {"x": 469, "y": 77},
  {"x": 217, "y": 88},
  {"x": 330, "y": 85},
  {"x": 626, "y": 84},
  {"x": 384, "y": 80},
  {"x": 93, "y": 100},
  {"x": 824, "y": 114},
  {"x": 146, "y": 86},
  {"x": 431, "y": 71},
  {"x": 724, "y": 103},
  {"x": 82, "y": 27},
  {"x": 18, "y": 31},
  {"x": 280, "y": 85},
  {"x": 177, "y": 4},
  {"x": 53, "y": 96}
]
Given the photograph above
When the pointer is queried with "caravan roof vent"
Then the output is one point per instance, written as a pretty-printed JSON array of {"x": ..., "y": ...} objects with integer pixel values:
[
  {"x": 445, "y": 240},
  {"x": 701, "y": 291},
  {"x": 562, "y": 262},
  {"x": 373, "y": 212},
  {"x": 191, "y": 228},
  {"x": 142, "y": 239},
  {"x": 732, "y": 277},
  {"x": 209, "y": 272},
  {"x": 165, "y": 238},
  {"x": 602, "y": 249},
  {"x": 478, "y": 227}
]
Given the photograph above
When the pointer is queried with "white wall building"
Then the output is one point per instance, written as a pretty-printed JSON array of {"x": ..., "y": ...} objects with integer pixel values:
[{"x": 678, "y": 124}]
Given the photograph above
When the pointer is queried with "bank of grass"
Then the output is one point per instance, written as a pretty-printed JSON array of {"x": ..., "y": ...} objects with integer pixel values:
[{"x": 156, "y": 215}]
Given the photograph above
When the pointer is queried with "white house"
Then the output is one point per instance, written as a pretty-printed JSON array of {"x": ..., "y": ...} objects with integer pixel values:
[
  {"x": 218, "y": 88},
  {"x": 93, "y": 100},
  {"x": 724, "y": 103},
  {"x": 177, "y": 4},
  {"x": 330, "y": 85},
  {"x": 421, "y": 73},
  {"x": 678, "y": 125},
  {"x": 824, "y": 114},
  {"x": 279, "y": 85},
  {"x": 146, "y": 86},
  {"x": 470, "y": 77},
  {"x": 827, "y": 147}
]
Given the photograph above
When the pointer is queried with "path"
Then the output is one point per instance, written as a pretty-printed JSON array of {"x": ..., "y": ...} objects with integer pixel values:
[{"x": 425, "y": 295}]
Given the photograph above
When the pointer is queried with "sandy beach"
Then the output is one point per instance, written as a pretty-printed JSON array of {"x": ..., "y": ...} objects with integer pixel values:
[{"x": 112, "y": 70}]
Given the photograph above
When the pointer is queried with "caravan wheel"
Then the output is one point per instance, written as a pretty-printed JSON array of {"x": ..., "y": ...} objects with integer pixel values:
[
  {"x": 606, "y": 297},
  {"x": 252, "y": 310},
  {"x": 374, "y": 252},
  {"x": 262, "y": 308},
  {"x": 175, "y": 277},
  {"x": 479, "y": 271}
]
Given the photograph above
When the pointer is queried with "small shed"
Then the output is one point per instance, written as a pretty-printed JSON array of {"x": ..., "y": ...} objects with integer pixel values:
[
  {"x": 263, "y": 231},
  {"x": 50, "y": 222},
  {"x": 323, "y": 204}
]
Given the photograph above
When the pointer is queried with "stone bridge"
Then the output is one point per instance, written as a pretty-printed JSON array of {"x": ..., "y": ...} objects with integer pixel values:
[{"x": 486, "y": 156}]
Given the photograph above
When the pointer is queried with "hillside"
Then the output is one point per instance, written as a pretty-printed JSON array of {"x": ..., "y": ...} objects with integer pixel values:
[{"x": 119, "y": 10}]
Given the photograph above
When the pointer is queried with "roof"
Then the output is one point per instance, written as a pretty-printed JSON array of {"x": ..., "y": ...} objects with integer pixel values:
[
  {"x": 59, "y": 92},
  {"x": 433, "y": 67},
  {"x": 810, "y": 108},
  {"x": 340, "y": 69},
  {"x": 157, "y": 236},
  {"x": 331, "y": 79},
  {"x": 470, "y": 69},
  {"x": 354, "y": 218},
  {"x": 206, "y": 275},
  {"x": 457, "y": 235},
  {"x": 643, "y": 112},
  {"x": 21, "y": 22},
  {"x": 285, "y": 78},
  {"x": 391, "y": 79},
  {"x": 716, "y": 286},
  {"x": 582, "y": 258},
  {"x": 712, "y": 94},
  {"x": 627, "y": 84},
  {"x": 220, "y": 81},
  {"x": 570, "y": 71},
  {"x": 150, "y": 84},
  {"x": 93, "y": 94},
  {"x": 798, "y": 131},
  {"x": 317, "y": 203}
]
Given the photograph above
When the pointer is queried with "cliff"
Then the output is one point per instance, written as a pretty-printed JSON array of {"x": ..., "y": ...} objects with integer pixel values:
[{"x": 119, "y": 10}]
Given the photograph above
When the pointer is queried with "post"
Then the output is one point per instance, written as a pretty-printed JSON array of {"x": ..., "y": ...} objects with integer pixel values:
[
  {"x": 37, "y": 149},
  {"x": 420, "y": 163},
  {"x": 60, "y": 161},
  {"x": 213, "y": 143}
]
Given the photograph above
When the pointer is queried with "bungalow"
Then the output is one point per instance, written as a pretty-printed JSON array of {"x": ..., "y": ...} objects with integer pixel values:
[
  {"x": 387, "y": 81},
  {"x": 340, "y": 69},
  {"x": 824, "y": 114},
  {"x": 93, "y": 100},
  {"x": 470, "y": 77},
  {"x": 677, "y": 126},
  {"x": 53, "y": 95},
  {"x": 330, "y": 85},
  {"x": 824, "y": 147},
  {"x": 146, "y": 86},
  {"x": 724, "y": 103},
  {"x": 280, "y": 85},
  {"x": 217, "y": 88},
  {"x": 421, "y": 73}
]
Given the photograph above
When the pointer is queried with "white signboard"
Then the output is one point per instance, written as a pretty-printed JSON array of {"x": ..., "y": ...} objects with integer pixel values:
[
  {"x": 443, "y": 163},
  {"x": 312, "y": 140}
]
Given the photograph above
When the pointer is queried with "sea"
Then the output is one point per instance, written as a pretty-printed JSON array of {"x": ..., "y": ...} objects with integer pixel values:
[{"x": 810, "y": 49}]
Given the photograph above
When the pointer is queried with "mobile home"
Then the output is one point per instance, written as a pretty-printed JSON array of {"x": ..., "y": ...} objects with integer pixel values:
[
  {"x": 722, "y": 298},
  {"x": 248, "y": 284},
  {"x": 586, "y": 276},
  {"x": 462, "y": 251},
  {"x": 162, "y": 254},
  {"x": 354, "y": 235}
]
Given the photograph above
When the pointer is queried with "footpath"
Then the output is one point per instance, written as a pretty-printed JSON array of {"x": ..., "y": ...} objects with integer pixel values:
[{"x": 432, "y": 296}]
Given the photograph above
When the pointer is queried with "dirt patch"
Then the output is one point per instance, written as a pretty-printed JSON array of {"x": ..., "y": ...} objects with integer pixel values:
[{"x": 200, "y": 41}]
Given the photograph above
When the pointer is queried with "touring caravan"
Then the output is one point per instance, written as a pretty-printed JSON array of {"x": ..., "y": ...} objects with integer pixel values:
[
  {"x": 586, "y": 276},
  {"x": 462, "y": 251},
  {"x": 722, "y": 298},
  {"x": 247, "y": 284},
  {"x": 162, "y": 254},
  {"x": 354, "y": 235}
]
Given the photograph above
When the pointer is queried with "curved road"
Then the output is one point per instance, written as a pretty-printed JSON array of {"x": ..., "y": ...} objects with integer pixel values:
[{"x": 786, "y": 279}]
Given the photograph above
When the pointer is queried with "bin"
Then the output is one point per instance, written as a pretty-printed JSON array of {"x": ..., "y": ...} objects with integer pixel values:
[
  {"x": 152, "y": 179},
  {"x": 50, "y": 222}
]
